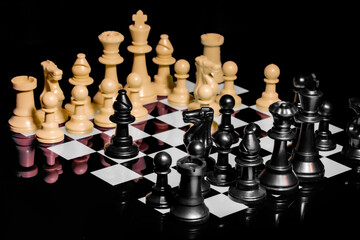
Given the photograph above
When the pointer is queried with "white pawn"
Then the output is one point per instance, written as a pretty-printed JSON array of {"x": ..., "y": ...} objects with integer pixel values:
[
  {"x": 270, "y": 95},
  {"x": 180, "y": 95},
  {"x": 230, "y": 69},
  {"x": 205, "y": 99},
  {"x": 109, "y": 89},
  {"x": 49, "y": 131},
  {"x": 79, "y": 124},
  {"x": 134, "y": 82}
]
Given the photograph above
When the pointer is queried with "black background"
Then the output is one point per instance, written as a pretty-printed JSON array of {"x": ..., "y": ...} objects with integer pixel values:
[{"x": 299, "y": 38}]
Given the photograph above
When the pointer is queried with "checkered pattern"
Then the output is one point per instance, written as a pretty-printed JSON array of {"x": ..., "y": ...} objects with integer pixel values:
[{"x": 163, "y": 131}]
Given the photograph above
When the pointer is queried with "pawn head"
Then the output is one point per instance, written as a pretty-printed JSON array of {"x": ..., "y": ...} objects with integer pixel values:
[
  {"x": 50, "y": 100},
  {"x": 325, "y": 108},
  {"x": 134, "y": 80},
  {"x": 272, "y": 71},
  {"x": 108, "y": 86},
  {"x": 79, "y": 92},
  {"x": 182, "y": 67},
  {"x": 223, "y": 140},
  {"x": 162, "y": 162},
  {"x": 230, "y": 68},
  {"x": 196, "y": 148},
  {"x": 227, "y": 102},
  {"x": 205, "y": 92}
]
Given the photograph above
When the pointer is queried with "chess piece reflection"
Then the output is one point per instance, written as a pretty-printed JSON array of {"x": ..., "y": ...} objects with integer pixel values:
[
  {"x": 51, "y": 167},
  {"x": 25, "y": 146}
]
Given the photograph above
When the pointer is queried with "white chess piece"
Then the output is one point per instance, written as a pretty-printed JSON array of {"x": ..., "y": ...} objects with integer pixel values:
[{"x": 134, "y": 82}]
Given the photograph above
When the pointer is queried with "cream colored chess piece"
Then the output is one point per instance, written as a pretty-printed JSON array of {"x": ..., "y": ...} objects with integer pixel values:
[
  {"x": 139, "y": 34},
  {"x": 24, "y": 119},
  {"x": 79, "y": 123},
  {"x": 111, "y": 41},
  {"x": 109, "y": 89},
  {"x": 270, "y": 95},
  {"x": 163, "y": 81},
  {"x": 206, "y": 71},
  {"x": 230, "y": 69},
  {"x": 49, "y": 131},
  {"x": 138, "y": 111},
  {"x": 81, "y": 71},
  {"x": 52, "y": 76},
  {"x": 205, "y": 99},
  {"x": 180, "y": 95},
  {"x": 212, "y": 43}
]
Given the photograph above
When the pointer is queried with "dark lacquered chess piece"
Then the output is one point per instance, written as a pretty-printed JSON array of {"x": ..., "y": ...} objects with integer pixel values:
[
  {"x": 306, "y": 162},
  {"x": 278, "y": 176},
  {"x": 189, "y": 205},
  {"x": 351, "y": 151},
  {"x": 222, "y": 174},
  {"x": 324, "y": 139},
  {"x": 121, "y": 144},
  {"x": 160, "y": 197},
  {"x": 247, "y": 189},
  {"x": 227, "y": 103}
]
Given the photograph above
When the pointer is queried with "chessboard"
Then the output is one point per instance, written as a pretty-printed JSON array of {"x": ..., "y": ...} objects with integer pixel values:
[{"x": 86, "y": 174}]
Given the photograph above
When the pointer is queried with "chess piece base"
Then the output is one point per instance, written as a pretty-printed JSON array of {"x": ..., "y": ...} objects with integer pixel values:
[
  {"x": 279, "y": 179},
  {"x": 158, "y": 200},
  {"x": 121, "y": 149},
  {"x": 324, "y": 142},
  {"x": 222, "y": 176},
  {"x": 190, "y": 214},
  {"x": 308, "y": 168},
  {"x": 247, "y": 194}
]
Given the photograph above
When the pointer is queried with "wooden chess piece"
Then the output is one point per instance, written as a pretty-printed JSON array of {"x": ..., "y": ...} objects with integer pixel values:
[
  {"x": 109, "y": 90},
  {"x": 230, "y": 69},
  {"x": 180, "y": 95},
  {"x": 160, "y": 196},
  {"x": 79, "y": 124},
  {"x": 24, "y": 119},
  {"x": 212, "y": 43},
  {"x": 247, "y": 189},
  {"x": 270, "y": 95},
  {"x": 134, "y": 82},
  {"x": 206, "y": 74},
  {"x": 49, "y": 131},
  {"x": 139, "y": 34},
  {"x": 278, "y": 176},
  {"x": 52, "y": 76},
  {"x": 189, "y": 204},
  {"x": 205, "y": 99},
  {"x": 163, "y": 81},
  {"x": 111, "y": 41},
  {"x": 121, "y": 144},
  {"x": 81, "y": 70}
]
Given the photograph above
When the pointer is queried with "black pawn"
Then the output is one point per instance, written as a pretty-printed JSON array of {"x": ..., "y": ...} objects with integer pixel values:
[
  {"x": 196, "y": 149},
  {"x": 247, "y": 189},
  {"x": 160, "y": 197},
  {"x": 223, "y": 174},
  {"x": 227, "y": 103},
  {"x": 305, "y": 160},
  {"x": 189, "y": 205},
  {"x": 278, "y": 176},
  {"x": 351, "y": 151},
  {"x": 324, "y": 139},
  {"x": 121, "y": 144}
]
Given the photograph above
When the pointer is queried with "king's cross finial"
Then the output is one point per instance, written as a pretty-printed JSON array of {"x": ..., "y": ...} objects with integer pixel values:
[{"x": 139, "y": 19}]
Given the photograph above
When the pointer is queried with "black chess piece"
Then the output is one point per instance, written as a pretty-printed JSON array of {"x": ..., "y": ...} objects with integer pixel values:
[
  {"x": 247, "y": 189},
  {"x": 196, "y": 149},
  {"x": 189, "y": 205},
  {"x": 121, "y": 144},
  {"x": 305, "y": 160},
  {"x": 200, "y": 130},
  {"x": 222, "y": 174},
  {"x": 351, "y": 151},
  {"x": 160, "y": 197},
  {"x": 278, "y": 176},
  {"x": 324, "y": 139},
  {"x": 227, "y": 103}
]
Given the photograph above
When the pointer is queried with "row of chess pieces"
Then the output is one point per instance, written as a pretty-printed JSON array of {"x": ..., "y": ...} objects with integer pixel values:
[{"x": 140, "y": 88}]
